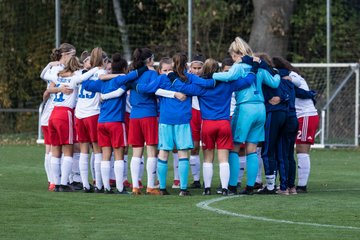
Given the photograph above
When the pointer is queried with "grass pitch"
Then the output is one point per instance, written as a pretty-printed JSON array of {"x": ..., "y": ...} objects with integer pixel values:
[{"x": 29, "y": 211}]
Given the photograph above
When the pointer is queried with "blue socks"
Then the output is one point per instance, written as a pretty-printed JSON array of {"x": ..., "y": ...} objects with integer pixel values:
[
  {"x": 252, "y": 168},
  {"x": 183, "y": 172},
  {"x": 162, "y": 168},
  {"x": 234, "y": 165}
]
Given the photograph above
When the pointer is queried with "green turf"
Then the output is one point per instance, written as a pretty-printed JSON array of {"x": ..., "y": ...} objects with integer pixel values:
[{"x": 29, "y": 211}]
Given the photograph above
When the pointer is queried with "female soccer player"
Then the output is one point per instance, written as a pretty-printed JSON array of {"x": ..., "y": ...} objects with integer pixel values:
[
  {"x": 61, "y": 126},
  {"x": 249, "y": 116},
  {"x": 60, "y": 57}
]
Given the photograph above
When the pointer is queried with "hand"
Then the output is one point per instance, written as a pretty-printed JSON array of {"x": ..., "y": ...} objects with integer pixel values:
[
  {"x": 182, "y": 97},
  {"x": 46, "y": 95},
  {"x": 54, "y": 63},
  {"x": 65, "y": 89},
  {"x": 287, "y": 78},
  {"x": 274, "y": 100},
  {"x": 256, "y": 59}
]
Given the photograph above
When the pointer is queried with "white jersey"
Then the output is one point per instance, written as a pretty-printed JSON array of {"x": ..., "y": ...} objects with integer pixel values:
[
  {"x": 232, "y": 104},
  {"x": 88, "y": 103},
  {"x": 195, "y": 103},
  {"x": 304, "y": 107},
  {"x": 49, "y": 105}
]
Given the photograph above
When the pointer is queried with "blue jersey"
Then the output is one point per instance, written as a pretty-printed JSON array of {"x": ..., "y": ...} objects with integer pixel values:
[
  {"x": 281, "y": 92},
  {"x": 143, "y": 104},
  {"x": 215, "y": 102},
  {"x": 111, "y": 110},
  {"x": 172, "y": 110}
]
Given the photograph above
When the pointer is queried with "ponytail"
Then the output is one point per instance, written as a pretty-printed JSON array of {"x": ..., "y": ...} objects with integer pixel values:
[
  {"x": 180, "y": 61},
  {"x": 65, "y": 48},
  {"x": 140, "y": 56},
  {"x": 96, "y": 58},
  {"x": 239, "y": 46}
]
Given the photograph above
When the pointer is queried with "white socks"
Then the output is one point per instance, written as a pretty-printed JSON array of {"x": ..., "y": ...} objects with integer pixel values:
[
  {"x": 66, "y": 169},
  {"x": 207, "y": 174},
  {"x": 224, "y": 174},
  {"x": 84, "y": 170},
  {"x": 56, "y": 170},
  {"x": 119, "y": 174},
  {"x": 195, "y": 166},
  {"x": 125, "y": 167},
  {"x": 135, "y": 169},
  {"x": 112, "y": 160},
  {"x": 141, "y": 169},
  {"x": 47, "y": 163},
  {"x": 151, "y": 171},
  {"x": 303, "y": 168},
  {"x": 75, "y": 168},
  {"x": 97, "y": 167},
  {"x": 92, "y": 165},
  {"x": 105, "y": 174},
  {"x": 270, "y": 182},
  {"x": 176, "y": 166},
  {"x": 242, "y": 160}
]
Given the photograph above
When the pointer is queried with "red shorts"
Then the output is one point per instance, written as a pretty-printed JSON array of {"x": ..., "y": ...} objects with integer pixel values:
[
  {"x": 61, "y": 126},
  {"x": 112, "y": 134},
  {"x": 307, "y": 129},
  {"x": 86, "y": 129},
  {"x": 127, "y": 124},
  {"x": 143, "y": 130},
  {"x": 195, "y": 124},
  {"x": 216, "y": 132},
  {"x": 45, "y": 131}
]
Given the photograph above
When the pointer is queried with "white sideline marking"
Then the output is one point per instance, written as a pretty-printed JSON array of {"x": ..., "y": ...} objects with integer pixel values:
[{"x": 205, "y": 205}]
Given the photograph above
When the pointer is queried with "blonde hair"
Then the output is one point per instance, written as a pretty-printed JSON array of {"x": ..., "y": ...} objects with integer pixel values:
[
  {"x": 72, "y": 66},
  {"x": 97, "y": 57},
  {"x": 210, "y": 66},
  {"x": 239, "y": 46}
]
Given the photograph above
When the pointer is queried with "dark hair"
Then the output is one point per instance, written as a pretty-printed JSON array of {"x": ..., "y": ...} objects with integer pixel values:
[
  {"x": 265, "y": 57},
  {"x": 210, "y": 66},
  {"x": 280, "y": 62},
  {"x": 118, "y": 64},
  {"x": 57, "y": 53},
  {"x": 180, "y": 62},
  {"x": 227, "y": 62},
  {"x": 140, "y": 56},
  {"x": 199, "y": 58}
]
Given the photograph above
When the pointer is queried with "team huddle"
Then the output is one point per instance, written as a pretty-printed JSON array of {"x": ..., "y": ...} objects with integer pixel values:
[{"x": 252, "y": 110}]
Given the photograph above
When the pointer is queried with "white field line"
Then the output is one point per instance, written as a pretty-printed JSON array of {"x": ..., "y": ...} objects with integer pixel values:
[{"x": 205, "y": 205}]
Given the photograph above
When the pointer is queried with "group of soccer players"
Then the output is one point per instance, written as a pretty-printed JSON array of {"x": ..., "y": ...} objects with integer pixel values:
[{"x": 96, "y": 107}]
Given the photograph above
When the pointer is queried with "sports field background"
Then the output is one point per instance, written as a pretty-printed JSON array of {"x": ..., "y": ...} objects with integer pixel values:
[{"x": 29, "y": 211}]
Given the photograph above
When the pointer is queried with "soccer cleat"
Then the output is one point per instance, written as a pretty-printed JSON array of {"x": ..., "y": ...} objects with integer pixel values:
[
  {"x": 219, "y": 189},
  {"x": 195, "y": 184},
  {"x": 231, "y": 190},
  {"x": 292, "y": 191},
  {"x": 176, "y": 184},
  {"x": 51, "y": 187},
  {"x": 283, "y": 192},
  {"x": 88, "y": 190},
  {"x": 207, "y": 191},
  {"x": 164, "y": 192},
  {"x": 265, "y": 190},
  {"x": 225, "y": 192},
  {"x": 65, "y": 188},
  {"x": 76, "y": 186},
  {"x": 183, "y": 193},
  {"x": 126, "y": 183},
  {"x": 136, "y": 191},
  {"x": 301, "y": 189},
  {"x": 57, "y": 188},
  {"x": 106, "y": 191},
  {"x": 258, "y": 185},
  {"x": 247, "y": 191},
  {"x": 96, "y": 190},
  {"x": 152, "y": 191},
  {"x": 238, "y": 186}
]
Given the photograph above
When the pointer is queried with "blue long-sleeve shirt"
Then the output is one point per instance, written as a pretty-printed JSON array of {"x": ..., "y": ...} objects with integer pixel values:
[
  {"x": 172, "y": 110},
  {"x": 253, "y": 94},
  {"x": 111, "y": 110},
  {"x": 215, "y": 102}
]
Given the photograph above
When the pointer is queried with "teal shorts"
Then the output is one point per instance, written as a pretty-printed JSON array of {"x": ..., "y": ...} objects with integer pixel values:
[
  {"x": 248, "y": 123},
  {"x": 175, "y": 135}
]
